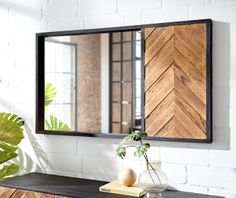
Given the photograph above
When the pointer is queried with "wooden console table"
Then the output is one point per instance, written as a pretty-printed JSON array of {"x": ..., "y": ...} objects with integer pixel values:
[{"x": 39, "y": 185}]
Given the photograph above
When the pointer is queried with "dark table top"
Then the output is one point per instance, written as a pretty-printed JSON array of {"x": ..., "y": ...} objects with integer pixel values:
[{"x": 75, "y": 187}]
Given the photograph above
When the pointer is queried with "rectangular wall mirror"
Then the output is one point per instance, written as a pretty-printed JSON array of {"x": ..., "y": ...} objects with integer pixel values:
[{"x": 109, "y": 82}]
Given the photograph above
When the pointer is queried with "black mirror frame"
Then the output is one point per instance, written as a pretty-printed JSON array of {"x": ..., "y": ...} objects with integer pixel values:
[{"x": 40, "y": 79}]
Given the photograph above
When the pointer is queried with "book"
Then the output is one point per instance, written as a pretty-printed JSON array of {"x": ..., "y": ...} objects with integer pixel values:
[{"x": 117, "y": 188}]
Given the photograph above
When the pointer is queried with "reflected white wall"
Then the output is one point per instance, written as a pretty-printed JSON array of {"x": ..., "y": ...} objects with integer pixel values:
[{"x": 105, "y": 83}]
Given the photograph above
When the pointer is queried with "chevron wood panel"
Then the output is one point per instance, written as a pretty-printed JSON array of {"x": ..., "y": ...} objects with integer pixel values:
[
  {"x": 6, "y": 192},
  {"x": 16, "y": 193},
  {"x": 30, "y": 194},
  {"x": 175, "y": 81}
]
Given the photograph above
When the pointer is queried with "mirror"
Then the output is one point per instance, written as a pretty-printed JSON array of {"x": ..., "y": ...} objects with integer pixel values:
[
  {"x": 109, "y": 82},
  {"x": 78, "y": 88}
]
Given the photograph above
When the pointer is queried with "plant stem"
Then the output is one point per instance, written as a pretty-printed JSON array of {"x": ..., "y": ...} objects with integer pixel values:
[{"x": 149, "y": 164}]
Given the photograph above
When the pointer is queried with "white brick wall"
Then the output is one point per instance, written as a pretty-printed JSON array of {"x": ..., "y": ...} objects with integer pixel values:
[{"x": 203, "y": 168}]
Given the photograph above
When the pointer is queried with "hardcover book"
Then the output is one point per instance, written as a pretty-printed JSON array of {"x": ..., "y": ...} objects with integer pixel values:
[{"x": 117, "y": 188}]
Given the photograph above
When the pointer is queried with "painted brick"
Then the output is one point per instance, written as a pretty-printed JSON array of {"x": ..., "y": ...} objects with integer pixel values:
[
  {"x": 56, "y": 144},
  {"x": 101, "y": 166},
  {"x": 233, "y": 96},
  {"x": 92, "y": 7},
  {"x": 222, "y": 158},
  {"x": 96, "y": 148},
  {"x": 108, "y": 20},
  {"x": 221, "y": 138},
  {"x": 221, "y": 96},
  {"x": 133, "y": 18},
  {"x": 175, "y": 173},
  {"x": 137, "y": 165},
  {"x": 174, "y": 3},
  {"x": 212, "y": 177},
  {"x": 233, "y": 138},
  {"x": 61, "y": 173},
  {"x": 32, "y": 8},
  {"x": 24, "y": 109},
  {"x": 185, "y": 156},
  {"x": 233, "y": 49},
  {"x": 191, "y": 188},
  {"x": 221, "y": 52},
  {"x": 233, "y": 75},
  {"x": 224, "y": 13},
  {"x": 4, "y": 106},
  {"x": 102, "y": 177},
  {"x": 124, "y": 5},
  {"x": 220, "y": 1},
  {"x": 58, "y": 9},
  {"x": 165, "y": 15},
  {"x": 222, "y": 192},
  {"x": 66, "y": 24},
  {"x": 59, "y": 162},
  {"x": 232, "y": 117}
]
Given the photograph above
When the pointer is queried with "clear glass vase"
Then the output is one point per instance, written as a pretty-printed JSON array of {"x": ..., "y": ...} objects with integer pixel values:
[{"x": 153, "y": 180}]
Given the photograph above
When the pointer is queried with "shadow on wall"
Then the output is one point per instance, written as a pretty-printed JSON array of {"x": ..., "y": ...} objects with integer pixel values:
[
  {"x": 221, "y": 92},
  {"x": 25, "y": 161}
]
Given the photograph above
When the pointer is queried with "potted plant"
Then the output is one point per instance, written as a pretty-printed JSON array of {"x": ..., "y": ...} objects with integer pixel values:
[{"x": 151, "y": 178}]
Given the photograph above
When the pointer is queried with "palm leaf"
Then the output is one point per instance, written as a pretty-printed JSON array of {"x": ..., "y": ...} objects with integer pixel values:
[
  {"x": 9, "y": 171},
  {"x": 56, "y": 125},
  {"x": 50, "y": 95},
  {"x": 7, "y": 147},
  {"x": 11, "y": 134},
  {"x": 5, "y": 156},
  {"x": 11, "y": 129}
]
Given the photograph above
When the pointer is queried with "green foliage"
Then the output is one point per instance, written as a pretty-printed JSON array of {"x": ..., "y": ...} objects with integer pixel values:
[
  {"x": 56, "y": 125},
  {"x": 11, "y": 131},
  {"x": 133, "y": 137},
  {"x": 50, "y": 93},
  {"x": 11, "y": 134},
  {"x": 53, "y": 123},
  {"x": 8, "y": 171},
  {"x": 141, "y": 150},
  {"x": 121, "y": 151}
]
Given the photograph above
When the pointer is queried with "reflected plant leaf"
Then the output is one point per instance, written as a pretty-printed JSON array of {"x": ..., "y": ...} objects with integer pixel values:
[
  {"x": 55, "y": 124},
  {"x": 50, "y": 95}
]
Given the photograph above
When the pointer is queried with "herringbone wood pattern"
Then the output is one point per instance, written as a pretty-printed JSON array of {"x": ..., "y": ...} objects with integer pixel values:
[
  {"x": 175, "y": 81},
  {"x": 16, "y": 193}
]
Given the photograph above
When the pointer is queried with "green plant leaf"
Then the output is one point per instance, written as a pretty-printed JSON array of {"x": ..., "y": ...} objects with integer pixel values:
[
  {"x": 50, "y": 94},
  {"x": 9, "y": 171},
  {"x": 56, "y": 125},
  {"x": 11, "y": 134},
  {"x": 121, "y": 151},
  {"x": 11, "y": 128},
  {"x": 7, "y": 147},
  {"x": 138, "y": 135},
  {"x": 141, "y": 150},
  {"x": 5, "y": 156}
]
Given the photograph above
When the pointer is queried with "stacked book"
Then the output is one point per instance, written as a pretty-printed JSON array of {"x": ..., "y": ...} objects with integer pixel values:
[{"x": 117, "y": 188}]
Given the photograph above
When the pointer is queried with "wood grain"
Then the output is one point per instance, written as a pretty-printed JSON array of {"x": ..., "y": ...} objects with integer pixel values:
[
  {"x": 175, "y": 81},
  {"x": 6, "y": 192},
  {"x": 29, "y": 194}
]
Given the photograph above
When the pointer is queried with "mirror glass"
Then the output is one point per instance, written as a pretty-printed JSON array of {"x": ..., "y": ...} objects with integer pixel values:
[{"x": 93, "y": 82}]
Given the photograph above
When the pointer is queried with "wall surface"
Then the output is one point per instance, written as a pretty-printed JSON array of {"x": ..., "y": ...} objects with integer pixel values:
[
  {"x": 202, "y": 168},
  {"x": 89, "y": 82}
]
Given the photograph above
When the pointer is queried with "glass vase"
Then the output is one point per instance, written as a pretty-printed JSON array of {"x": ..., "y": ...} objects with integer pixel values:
[{"x": 154, "y": 181}]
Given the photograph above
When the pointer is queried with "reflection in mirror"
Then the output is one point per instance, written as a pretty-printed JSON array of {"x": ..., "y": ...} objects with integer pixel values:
[{"x": 93, "y": 82}]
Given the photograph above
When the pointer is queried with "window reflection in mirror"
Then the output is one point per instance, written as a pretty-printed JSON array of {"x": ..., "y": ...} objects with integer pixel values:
[{"x": 93, "y": 82}]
